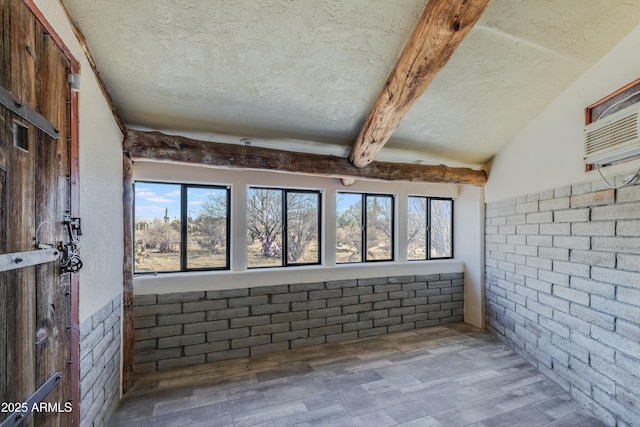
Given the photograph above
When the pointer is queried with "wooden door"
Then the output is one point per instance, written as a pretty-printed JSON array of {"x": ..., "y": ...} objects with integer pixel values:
[{"x": 34, "y": 197}]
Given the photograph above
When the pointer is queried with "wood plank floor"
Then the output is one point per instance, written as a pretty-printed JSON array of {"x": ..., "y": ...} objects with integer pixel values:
[{"x": 449, "y": 376}]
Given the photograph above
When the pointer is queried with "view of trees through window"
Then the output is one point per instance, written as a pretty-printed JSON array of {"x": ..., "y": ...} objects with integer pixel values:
[
  {"x": 207, "y": 227},
  {"x": 429, "y": 224},
  {"x": 417, "y": 228},
  {"x": 364, "y": 236},
  {"x": 441, "y": 216},
  {"x": 283, "y": 227},
  {"x": 163, "y": 244},
  {"x": 349, "y": 227},
  {"x": 180, "y": 227}
]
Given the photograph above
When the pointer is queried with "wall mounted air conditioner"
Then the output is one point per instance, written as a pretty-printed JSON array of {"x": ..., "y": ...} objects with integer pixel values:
[{"x": 613, "y": 138}]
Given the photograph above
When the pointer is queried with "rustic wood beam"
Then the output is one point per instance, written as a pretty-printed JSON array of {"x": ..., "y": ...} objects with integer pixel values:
[
  {"x": 441, "y": 28},
  {"x": 128, "y": 329},
  {"x": 157, "y": 146}
]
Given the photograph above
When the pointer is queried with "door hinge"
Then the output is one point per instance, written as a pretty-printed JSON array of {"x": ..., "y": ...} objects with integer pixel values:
[
  {"x": 12, "y": 103},
  {"x": 26, "y": 407}
]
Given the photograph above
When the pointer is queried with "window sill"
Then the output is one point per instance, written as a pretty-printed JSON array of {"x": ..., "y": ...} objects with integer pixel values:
[{"x": 166, "y": 283}]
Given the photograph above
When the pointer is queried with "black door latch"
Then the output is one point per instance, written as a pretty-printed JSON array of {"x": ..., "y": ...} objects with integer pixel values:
[{"x": 70, "y": 261}]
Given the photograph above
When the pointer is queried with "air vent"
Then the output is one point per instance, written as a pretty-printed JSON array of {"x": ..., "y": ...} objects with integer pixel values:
[{"x": 613, "y": 138}]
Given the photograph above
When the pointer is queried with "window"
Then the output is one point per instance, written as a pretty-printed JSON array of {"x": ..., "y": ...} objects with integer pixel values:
[
  {"x": 187, "y": 227},
  {"x": 20, "y": 136},
  {"x": 283, "y": 227},
  {"x": 429, "y": 226},
  {"x": 364, "y": 235},
  {"x": 181, "y": 227}
]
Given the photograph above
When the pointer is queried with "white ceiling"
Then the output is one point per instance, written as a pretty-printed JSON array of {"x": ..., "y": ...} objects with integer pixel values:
[{"x": 301, "y": 75}]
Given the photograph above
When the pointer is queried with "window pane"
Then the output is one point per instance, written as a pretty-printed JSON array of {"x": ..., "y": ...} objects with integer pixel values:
[
  {"x": 264, "y": 227},
  {"x": 206, "y": 227},
  {"x": 417, "y": 228},
  {"x": 157, "y": 227},
  {"x": 348, "y": 227},
  {"x": 379, "y": 228},
  {"x": 441, "y": 229},
  {"x": 302, "y": 227}
]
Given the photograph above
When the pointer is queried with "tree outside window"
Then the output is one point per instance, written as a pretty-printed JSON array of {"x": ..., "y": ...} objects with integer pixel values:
[
  {"x": 364, "y": 235},
  {"x": 417, "y": 228},
  {"x": 379, "y": 228},
  {"x": 207, "y": 227},
  {"x": 429, "y": 226},
  {"x": 264, "y": 227},
  {"x": 349, "y": 227},
  {"x": 283, "y": 227},
  {"x": 441, "y": 229},
  {"x": 180, "y": 227}
]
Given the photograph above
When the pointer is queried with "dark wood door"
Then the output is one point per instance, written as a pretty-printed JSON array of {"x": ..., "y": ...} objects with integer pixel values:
[{"x": 34, "y": 197}]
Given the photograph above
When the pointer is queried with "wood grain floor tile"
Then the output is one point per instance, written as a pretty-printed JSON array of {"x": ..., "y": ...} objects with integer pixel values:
[{"x": 445, "y": 376}]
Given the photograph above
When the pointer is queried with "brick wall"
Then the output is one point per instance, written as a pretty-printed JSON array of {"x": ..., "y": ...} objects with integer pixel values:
[
  {"x": 563, "y": 289},
  {"x": 182, "y": 329},
  {"x": 100, "y": 365}
]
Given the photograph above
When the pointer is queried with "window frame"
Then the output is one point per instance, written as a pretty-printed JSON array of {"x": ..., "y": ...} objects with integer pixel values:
[
  {"x": 184, "y": 187},
  {"x": 429, "y": 199},
  {"x": 363, "y": 227},
  {"x": 284, "y": 262}
]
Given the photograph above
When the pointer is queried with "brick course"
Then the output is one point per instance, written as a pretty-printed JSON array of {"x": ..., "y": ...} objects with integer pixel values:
[
  {"x": 100, "y": 363},
  {"x": 171, "y": 331},
  {"x": 573, "y": 308}
]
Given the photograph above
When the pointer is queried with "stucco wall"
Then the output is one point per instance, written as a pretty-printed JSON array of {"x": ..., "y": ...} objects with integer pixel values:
[
  {"x": 468, "y": 246},
  {"x": 548, "y": 152},
  {"x": 101, "y": 246}
]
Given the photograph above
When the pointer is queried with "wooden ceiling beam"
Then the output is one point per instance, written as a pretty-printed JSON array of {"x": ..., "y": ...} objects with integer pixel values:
[
  {"x": 441, "y": 28},
  {"x": 157, "y": 146}
]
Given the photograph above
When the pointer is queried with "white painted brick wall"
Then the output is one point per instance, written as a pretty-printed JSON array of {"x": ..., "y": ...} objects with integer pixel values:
[
  {"x": 100, "y": 365},
  {"x": 563, "y": 289}
]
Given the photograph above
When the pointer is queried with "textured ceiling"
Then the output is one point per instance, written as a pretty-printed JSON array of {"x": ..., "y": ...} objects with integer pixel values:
[{"x": 301, "y": 75}]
